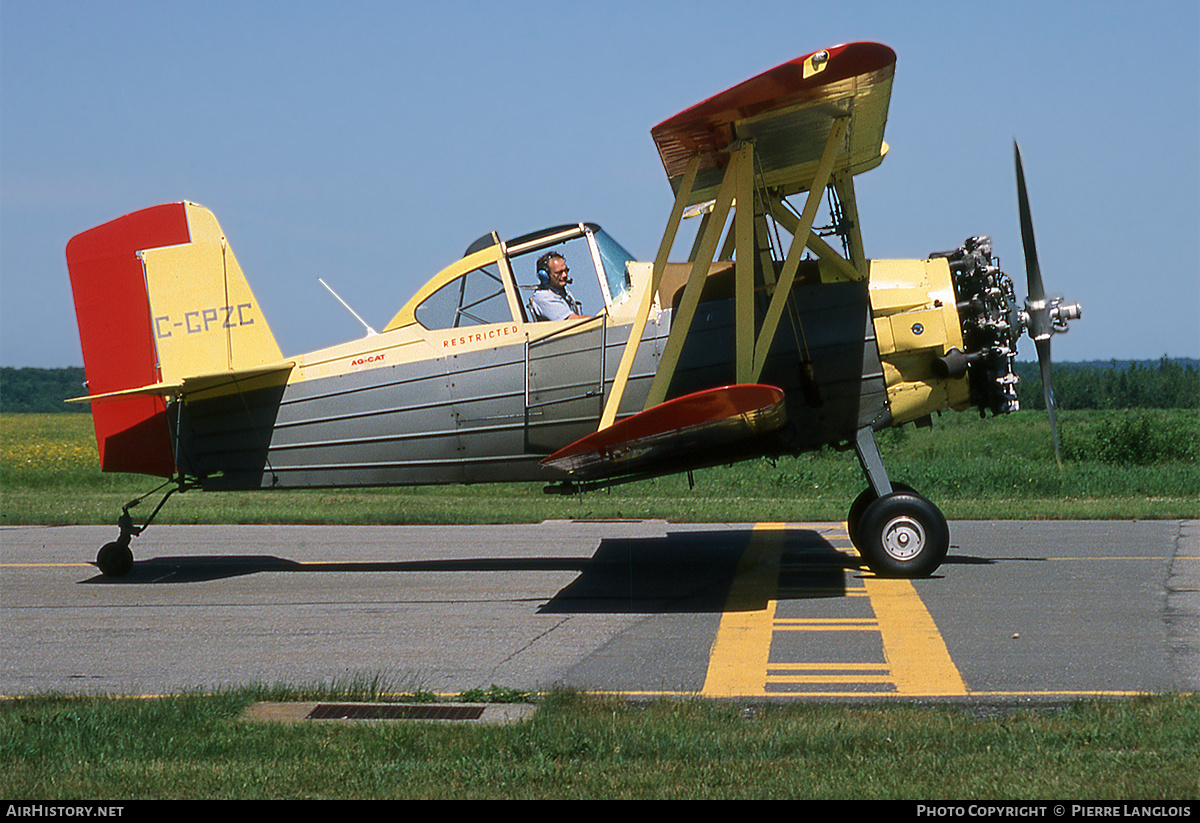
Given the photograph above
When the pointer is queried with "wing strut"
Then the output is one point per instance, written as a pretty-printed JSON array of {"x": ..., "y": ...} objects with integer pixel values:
[
  {"x": 802, "y": 232},
  {"x": 741, "y": 186},
  {"x": 807, "y": 125},
  {"x": 639, "y": 323}
]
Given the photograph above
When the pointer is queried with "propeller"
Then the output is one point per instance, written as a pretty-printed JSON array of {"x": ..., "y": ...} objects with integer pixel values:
[{"x": 1042, "y": 318}]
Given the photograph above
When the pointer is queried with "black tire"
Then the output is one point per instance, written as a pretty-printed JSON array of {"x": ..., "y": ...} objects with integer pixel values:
[
  {"x": 868, "y": 496},
  {"x": 903, "y": 535},
  {"x": 114, "y": 560}
]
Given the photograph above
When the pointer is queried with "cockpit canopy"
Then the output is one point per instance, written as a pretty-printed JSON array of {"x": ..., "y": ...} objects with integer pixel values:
[{"x": 494, "y": 280}]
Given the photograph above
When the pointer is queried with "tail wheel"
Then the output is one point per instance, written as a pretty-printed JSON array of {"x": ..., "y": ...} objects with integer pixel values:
[
  {"x": 115, "y": 559},
  {"x": 903, "y": 535}
]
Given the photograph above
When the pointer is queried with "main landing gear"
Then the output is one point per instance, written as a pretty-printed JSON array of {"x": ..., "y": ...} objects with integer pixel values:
[
  {"x": 115, "y": 559},
  {"x": 897, "y": 531}
]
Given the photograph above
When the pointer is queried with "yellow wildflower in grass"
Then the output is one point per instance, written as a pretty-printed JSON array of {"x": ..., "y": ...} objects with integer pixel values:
[{"x": 47, "y": 442}]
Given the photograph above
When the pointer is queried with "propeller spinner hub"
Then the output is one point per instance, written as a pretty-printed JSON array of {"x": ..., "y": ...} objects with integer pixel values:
[
  {"x": 1063, "y": 313},
  {"x": 1043, "y": 318}
]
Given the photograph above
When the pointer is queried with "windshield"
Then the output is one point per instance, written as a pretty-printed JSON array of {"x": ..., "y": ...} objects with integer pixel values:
[
  {"x": 579, "y": 244},
  {"x": 614, "y": 257}
]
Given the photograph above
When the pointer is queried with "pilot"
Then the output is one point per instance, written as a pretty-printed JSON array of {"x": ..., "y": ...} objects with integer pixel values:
[{"x": 551, "y": 300}]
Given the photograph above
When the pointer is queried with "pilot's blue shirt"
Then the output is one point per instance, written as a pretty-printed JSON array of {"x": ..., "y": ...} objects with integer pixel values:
[{"x": 550, "y": 304}]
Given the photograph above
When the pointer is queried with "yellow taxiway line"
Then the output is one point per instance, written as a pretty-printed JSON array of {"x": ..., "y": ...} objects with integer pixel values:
[{"x": 916, "y": 661}]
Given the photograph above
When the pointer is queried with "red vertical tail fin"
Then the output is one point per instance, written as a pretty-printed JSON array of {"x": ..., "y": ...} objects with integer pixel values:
[{"x": 116, "y": 333}]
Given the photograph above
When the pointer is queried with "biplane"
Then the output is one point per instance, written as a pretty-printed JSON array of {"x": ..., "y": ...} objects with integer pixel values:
[{"x": 765, "y": 342}]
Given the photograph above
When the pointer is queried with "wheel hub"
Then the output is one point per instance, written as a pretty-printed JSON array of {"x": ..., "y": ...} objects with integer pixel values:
[{"x": 903, "y": 538}]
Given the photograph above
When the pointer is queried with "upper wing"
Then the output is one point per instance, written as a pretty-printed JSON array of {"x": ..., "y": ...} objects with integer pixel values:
[{"x": 788, "y": 112}]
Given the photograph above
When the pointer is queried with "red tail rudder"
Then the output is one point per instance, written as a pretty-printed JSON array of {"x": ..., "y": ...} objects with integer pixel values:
[{"x": 115, "y": 331}]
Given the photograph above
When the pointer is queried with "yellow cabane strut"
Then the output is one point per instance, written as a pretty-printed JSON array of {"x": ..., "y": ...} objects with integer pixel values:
[{"x": 737, "y": 192}]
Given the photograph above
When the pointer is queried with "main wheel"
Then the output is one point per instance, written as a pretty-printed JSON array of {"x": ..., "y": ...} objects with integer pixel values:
[
  {"x": 868, "y": 496},
  {"x": 903, "y": 535},
  {"x": 115, "y": 559}
]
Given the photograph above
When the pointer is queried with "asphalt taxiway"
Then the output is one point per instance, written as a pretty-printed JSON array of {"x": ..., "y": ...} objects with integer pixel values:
[{"x": 1020, "y": 610}]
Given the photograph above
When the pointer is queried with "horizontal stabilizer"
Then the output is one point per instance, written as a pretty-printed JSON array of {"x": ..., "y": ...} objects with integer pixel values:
[
  {"x": 679, "y": 432},
  {"x": 195, "y": 384}
]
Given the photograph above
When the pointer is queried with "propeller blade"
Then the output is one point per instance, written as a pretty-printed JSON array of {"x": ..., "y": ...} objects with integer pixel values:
[
  {"x": 1036, "y": 292},
  {"x": 1040, "y": 326},
  {"x": 1043, "y": 353}
]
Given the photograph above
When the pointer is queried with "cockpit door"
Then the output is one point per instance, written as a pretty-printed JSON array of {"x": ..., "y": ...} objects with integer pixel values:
[{"x": 564, "y": 384}]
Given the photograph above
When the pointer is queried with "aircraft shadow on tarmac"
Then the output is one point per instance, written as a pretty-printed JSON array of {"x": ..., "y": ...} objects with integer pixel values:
[
  {"x": 692, "y": 572},
  {"x": 685, "y": 572}
]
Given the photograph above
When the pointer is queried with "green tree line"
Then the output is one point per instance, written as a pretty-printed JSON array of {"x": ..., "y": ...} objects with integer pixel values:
[
  {"x": 41, "y": 390},
  {"x": 1165, "y": 384}
]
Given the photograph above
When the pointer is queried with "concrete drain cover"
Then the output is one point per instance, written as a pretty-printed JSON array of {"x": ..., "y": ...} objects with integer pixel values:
[{"x": 352, "y": 712}]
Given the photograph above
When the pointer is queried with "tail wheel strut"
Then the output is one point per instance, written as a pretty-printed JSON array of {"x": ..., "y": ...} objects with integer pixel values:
[{"x": 115, "y": 559}]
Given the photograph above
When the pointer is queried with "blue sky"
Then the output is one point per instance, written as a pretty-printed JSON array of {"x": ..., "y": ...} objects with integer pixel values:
[{"x": 368, "y": 143}]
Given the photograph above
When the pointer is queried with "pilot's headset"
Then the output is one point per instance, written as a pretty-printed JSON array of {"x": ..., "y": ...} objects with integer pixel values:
[{"x": 543, "y": 267}]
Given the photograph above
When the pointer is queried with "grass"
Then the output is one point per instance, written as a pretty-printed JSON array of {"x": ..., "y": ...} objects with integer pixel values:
[
  {"x": 578, "y": 746},
  {"x": 1117, "y": 465},
  {"x": 1122, "y": 464}
]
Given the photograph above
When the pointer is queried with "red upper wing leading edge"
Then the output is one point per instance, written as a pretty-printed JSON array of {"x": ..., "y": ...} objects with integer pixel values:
[{"x": 707, "y": 128}]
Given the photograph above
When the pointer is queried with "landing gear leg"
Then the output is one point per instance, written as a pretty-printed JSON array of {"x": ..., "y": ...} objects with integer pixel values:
[
  {"x": 897, "y": 531},
  {"x": 867, "y": 449},
  {"x": 115, "y": 559}
]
